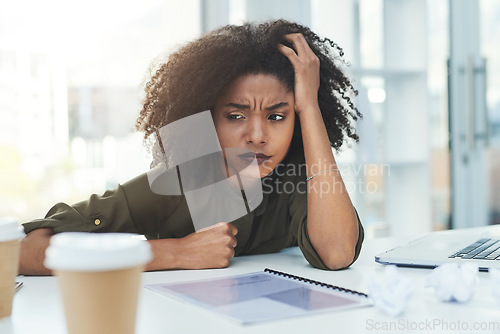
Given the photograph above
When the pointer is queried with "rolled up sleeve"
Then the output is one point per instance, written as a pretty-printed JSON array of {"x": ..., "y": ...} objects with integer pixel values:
[
  {"x": 298, "y": 213},
  {"x": 130, "y": 208}
]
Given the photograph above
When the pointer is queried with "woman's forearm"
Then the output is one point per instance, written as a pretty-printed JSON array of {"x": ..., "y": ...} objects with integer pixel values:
[
  {"x": 331, "y": 219},
  {"x": 211, "y": 248}
]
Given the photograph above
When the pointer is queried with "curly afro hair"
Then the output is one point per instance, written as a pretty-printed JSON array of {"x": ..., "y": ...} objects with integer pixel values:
[{"x": 195, "y": 75}]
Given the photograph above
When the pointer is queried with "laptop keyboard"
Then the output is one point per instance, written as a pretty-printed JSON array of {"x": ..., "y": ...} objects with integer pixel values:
[{"x": 483, "y": 249}]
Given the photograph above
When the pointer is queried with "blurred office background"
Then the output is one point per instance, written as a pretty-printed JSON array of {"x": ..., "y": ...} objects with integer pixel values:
[{"x": 428, "y": 75}]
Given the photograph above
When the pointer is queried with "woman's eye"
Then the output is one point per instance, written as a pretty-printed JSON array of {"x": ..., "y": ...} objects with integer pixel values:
[
  {"x": 276, "y": 117},
  {"x": 234, "y": 117}
]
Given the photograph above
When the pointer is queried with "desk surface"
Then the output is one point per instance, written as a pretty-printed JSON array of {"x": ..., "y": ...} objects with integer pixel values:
[{"x": 38, "y": 307}]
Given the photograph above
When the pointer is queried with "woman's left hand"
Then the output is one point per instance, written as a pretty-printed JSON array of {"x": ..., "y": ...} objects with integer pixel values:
[{"x": 306, "y": 66}]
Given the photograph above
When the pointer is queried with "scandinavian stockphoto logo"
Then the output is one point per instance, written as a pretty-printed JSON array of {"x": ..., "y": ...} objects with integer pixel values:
[{"x": 220, "y": 185}]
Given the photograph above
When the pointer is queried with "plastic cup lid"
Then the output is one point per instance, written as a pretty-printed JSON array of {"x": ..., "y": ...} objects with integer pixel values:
[
  {"x": 82, "y": 251},
  {"x": 10, "y": 230}
]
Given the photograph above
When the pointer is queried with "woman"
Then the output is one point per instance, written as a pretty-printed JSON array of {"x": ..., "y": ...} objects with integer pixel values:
[{"x": 274, "y": 89}]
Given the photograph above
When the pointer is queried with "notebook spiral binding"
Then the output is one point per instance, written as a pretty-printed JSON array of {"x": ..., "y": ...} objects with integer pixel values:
[{"x": 307, "y": 280}]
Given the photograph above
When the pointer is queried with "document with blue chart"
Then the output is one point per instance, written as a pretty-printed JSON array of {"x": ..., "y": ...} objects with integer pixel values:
[{"x": 263, "y": 296}]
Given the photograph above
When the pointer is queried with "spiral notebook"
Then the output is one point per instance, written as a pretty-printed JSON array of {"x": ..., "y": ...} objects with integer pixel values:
[{"x": 264, "y": 296}]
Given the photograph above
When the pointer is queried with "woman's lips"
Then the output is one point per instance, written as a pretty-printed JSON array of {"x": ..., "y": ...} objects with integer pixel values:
[{"x": 249, "y": 157}]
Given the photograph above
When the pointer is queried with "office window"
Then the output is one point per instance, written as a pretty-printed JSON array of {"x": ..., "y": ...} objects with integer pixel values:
[
  {"x": 490, "y": 50},
  {"x": 70, "y": 90},
  {"x": 71, "y": 76}
]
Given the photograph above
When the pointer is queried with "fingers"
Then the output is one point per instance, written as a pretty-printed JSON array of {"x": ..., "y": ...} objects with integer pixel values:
[
  {"x": 301, "y": 56},
  {"x": 290, "y": 54},
  {"x": 227, "y": 229},
  {"x": 300, "y": 44},
  {"x": 231, "y": 231},
  {"x": 226, "y": 239},
  {"x": 210, "y": 247}
]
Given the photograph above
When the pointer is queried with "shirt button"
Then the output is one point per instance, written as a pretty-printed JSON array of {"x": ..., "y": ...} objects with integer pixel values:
[{"x": 97, "y": 222}]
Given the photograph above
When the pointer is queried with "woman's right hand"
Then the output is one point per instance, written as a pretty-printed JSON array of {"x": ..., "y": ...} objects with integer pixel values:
[{"x": 208, "y": 248}]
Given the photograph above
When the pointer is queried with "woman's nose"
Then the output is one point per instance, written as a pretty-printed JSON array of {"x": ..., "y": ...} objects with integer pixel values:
[{"x": 256, "y": 132}]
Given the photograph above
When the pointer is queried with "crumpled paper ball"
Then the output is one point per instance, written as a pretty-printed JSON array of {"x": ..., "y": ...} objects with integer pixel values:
[
  {"x": 454, "y": 282},
  {"x": 392, "y": 293},
  {"x": 495, "y": 284}
]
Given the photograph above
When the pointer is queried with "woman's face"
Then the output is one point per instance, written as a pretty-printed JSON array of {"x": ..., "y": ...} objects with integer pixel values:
[{"x": 256, "y": 113}]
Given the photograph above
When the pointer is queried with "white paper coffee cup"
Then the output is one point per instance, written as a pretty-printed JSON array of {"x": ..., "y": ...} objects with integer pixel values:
[
  {"x": 10, "y": 235},
  {"x": 98, "y": 271}
]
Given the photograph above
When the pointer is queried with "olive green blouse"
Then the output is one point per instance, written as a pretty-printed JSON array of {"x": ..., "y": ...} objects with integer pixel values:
[{"x": 280, "y": 221}]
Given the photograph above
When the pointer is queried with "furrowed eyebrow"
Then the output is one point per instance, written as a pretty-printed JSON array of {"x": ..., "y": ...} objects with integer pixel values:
[
  {"x": 277, "y": 106},
  {"x": 245, "y": 106},
  {"x": 237, "y": 106}
]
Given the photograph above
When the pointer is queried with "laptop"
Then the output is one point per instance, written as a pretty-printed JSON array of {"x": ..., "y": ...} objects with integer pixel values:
[{"x": 477, "y": 245}]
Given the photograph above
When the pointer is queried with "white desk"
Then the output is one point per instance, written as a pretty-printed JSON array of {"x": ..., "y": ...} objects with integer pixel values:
[{"x": 38, "y": 307}]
